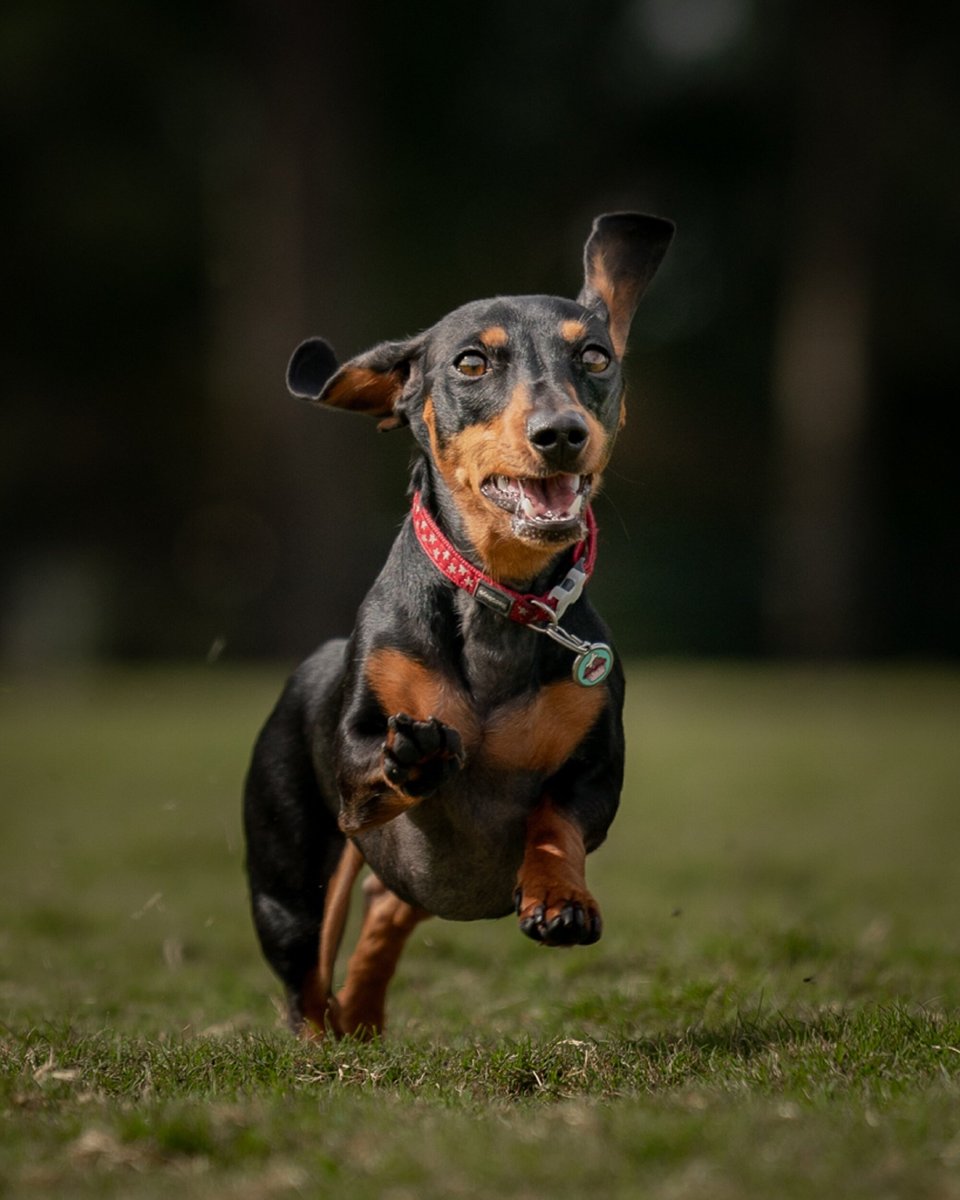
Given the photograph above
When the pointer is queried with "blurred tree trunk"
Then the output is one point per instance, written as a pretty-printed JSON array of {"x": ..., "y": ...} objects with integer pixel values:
[
  {"x": 821, "y": 527},
  {"x": 284, "y": 168}
]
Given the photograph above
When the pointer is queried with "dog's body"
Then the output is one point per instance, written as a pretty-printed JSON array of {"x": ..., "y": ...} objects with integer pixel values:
[{"x": 446, "y": 743}]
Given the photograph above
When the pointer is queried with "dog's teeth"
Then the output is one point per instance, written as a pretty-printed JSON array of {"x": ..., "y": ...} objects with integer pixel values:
[{"x": 536, "y": 503}]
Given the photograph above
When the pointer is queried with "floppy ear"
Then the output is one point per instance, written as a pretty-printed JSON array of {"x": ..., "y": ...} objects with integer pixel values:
[
  {"x": 619, "y": 260},
  {"x": 372, "y": 383}
]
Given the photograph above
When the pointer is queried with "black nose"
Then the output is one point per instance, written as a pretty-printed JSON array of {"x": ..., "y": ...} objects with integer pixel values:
[{"x": 560, "y": 437}]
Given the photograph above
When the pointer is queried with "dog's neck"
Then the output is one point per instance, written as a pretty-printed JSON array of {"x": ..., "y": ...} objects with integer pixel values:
[
  {"x": 524, "y": 608},
  {"x": 535, "y": 570},
  {"x": 543, "y": 613}
]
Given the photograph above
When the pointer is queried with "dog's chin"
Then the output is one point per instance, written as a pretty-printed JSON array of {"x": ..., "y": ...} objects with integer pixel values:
[
  {"x": 549, "y": 533},
  {"x": 548, "y": 510}
]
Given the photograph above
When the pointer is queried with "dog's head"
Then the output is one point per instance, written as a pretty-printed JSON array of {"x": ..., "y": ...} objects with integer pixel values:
[{"x": 516, "y": 402}]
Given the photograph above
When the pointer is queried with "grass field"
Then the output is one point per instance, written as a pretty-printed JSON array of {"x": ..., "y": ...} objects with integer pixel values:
[{"x": 773, "y": 1011}]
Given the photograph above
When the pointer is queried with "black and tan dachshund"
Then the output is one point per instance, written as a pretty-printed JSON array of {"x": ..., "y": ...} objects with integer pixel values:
[{"x": 466, "y": 740}]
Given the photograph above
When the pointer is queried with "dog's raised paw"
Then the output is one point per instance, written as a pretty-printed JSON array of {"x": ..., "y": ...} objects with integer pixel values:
[{"x": 418, "y": 756}]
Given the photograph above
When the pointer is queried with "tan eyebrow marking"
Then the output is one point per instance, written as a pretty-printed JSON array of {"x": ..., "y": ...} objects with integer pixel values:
[
  {"x": 495, "y": 336},
  {"x": 572, "y": 330}
]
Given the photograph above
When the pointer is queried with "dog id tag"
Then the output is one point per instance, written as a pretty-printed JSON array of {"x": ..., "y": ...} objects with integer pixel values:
[
  {"x": 593, "y": 661},
  {"x": 593, "y": 664}
]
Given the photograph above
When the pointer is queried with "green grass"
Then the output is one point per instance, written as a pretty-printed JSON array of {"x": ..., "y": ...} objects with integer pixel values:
[{"x": 773, "y": 1011}]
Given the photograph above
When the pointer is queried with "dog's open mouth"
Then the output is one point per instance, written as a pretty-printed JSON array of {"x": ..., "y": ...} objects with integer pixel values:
[{"x": 551, "y": 505}]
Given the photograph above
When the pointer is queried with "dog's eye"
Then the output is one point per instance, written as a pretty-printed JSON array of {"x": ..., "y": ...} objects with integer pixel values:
[
  {"x": 471, "y": 363},
  {"x": 595, "y": 358}
]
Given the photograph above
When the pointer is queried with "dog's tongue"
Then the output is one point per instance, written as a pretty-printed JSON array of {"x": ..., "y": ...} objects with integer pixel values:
[{"x": 555, "y": 496}]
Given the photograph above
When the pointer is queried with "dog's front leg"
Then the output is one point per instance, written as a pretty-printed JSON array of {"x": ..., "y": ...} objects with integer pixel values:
[
  {"x": 409, "y": 764},
  {"x": 552, "y": 899},
  {"x": 403, "y": 734}
]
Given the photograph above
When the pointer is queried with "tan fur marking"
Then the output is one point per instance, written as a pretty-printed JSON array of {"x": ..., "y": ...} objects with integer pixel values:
[
  {"x": 555, "y": 835},
  {"x": 553, "y": 872},
  {"x": 535, "y": 732},
  {"x": 316, "y": 997},
  {"x": 404, "y": 685},
  {"x": 365, "y": 391},
  {"x": 383, "y": 803},
  {"x": 572, "y": 331},
  {"x": 497, "y": 448},
  {"x": 501, "y": 448},
  {"x": 430, "y": 420},
  {"x": 335, "y": 910},
  {"x": 495, "y": 337},
  {"x": 317, "y": 1008},
  {"x": 541, "y": 733},
  {"x": 387, "y": 924},
  {"x": 518, "y": 409},
  {"x": 617, "y": 305}
]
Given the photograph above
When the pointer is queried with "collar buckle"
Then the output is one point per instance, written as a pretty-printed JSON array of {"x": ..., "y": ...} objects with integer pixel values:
[{"x": 569, "y": 590}]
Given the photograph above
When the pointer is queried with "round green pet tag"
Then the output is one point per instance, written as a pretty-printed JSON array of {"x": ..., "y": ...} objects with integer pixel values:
[{"x": 593, "y": 665}]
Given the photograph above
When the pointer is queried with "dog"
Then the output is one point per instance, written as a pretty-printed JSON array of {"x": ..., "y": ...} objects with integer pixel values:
[{"x": 466, "y": 741}]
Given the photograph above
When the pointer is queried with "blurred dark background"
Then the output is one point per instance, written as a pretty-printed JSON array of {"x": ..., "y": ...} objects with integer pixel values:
[{"x": 192, "y": 188}]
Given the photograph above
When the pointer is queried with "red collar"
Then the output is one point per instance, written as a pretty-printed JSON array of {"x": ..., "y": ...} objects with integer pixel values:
[{"x": 518, "y": 606}]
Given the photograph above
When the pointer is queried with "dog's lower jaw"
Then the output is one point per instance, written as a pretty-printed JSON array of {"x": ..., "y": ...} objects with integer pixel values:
[
  {"x": 510, "y": 550},
  {"x": 543, "y": 510},
  {"x": 557, "y": 533}
]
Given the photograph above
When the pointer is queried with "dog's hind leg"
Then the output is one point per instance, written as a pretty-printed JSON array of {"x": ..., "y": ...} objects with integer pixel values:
[
  {"x": 388, "y": 922},
  {"x": 319, "y": 1007},
  {"x": 293, "y": 843}
]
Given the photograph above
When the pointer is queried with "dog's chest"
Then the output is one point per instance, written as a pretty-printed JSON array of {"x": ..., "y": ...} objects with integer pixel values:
[
  {"x": 533, "y": 729},
  {"x": 457, "y": 853}
]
